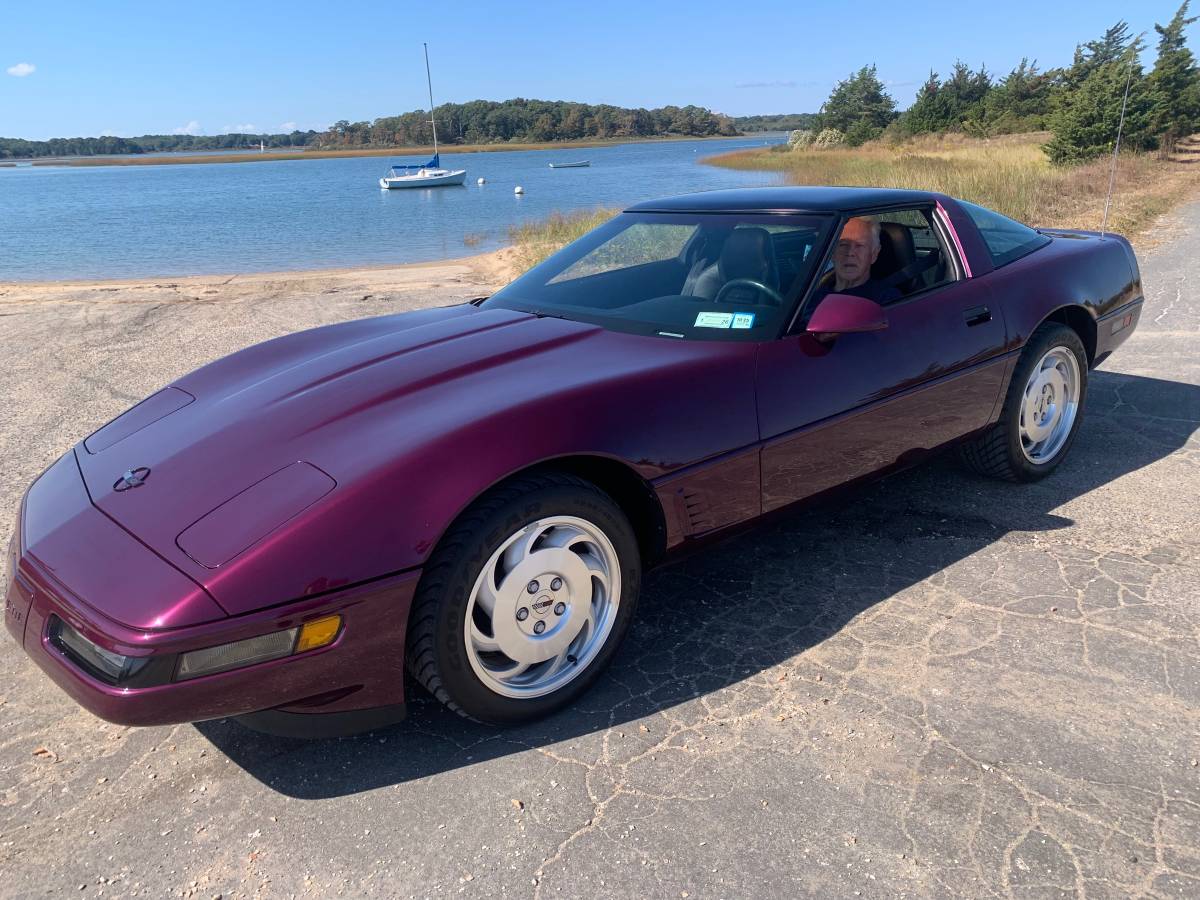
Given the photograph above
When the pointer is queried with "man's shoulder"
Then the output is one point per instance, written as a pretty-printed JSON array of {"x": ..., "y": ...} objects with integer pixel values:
[{"x": 873, "y": 289}]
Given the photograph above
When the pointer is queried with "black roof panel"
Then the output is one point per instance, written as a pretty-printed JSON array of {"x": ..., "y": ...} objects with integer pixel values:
[{"x": 786, "y": 199}]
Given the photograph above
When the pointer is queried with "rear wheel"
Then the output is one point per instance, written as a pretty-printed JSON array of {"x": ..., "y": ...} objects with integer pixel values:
[
  {"x": 1042, "y": 409},
  {"x": 525, "y": 600}
]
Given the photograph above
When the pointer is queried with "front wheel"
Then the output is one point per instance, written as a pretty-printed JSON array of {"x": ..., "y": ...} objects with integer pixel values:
[
  {"x": 525, "y": 600},
  {"x": 1042, "y": 409}
]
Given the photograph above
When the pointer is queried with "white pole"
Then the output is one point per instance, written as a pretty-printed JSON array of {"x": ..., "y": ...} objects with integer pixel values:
[{"x": 429, "y": 82}]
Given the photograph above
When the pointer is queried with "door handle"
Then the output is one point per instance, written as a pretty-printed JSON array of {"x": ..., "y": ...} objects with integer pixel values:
[{"x": 977, "y": 315}]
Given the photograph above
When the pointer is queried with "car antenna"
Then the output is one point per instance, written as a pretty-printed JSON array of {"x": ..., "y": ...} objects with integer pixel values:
[{"x": 1112, "y": 172}]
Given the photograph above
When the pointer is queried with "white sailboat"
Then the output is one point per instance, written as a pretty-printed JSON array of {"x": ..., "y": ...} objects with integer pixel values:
[{"x": 423, "y": 175}]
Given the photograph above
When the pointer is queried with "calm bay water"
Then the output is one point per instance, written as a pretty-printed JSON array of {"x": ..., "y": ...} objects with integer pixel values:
[{"x": 135, "y": 221}]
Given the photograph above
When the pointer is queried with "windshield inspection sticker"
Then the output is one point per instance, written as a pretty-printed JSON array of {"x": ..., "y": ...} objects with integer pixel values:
[
  {"x": 743, "y": 320},
  {"x": 713, "y": 320}
]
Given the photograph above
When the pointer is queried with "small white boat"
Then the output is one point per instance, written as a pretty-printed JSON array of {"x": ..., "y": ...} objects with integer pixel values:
[
  {"x": 583, "y": 164},
  {"x": 430, "y": 174}
]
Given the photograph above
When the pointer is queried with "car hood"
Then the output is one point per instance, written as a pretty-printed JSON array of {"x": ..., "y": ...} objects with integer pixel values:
[{"x": 235, "y": 458}]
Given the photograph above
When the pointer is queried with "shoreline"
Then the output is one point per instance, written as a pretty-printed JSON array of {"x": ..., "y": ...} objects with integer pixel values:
[
  {"x": 364, "y": 152},
  {"x": 494, "y": 267}
]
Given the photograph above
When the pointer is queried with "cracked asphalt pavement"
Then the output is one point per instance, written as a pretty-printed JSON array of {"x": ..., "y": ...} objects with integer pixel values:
[{"x": 938, "y": 686}]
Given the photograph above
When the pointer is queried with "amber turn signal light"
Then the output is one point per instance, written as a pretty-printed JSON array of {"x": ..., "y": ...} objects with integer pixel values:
[{"x": 318, "y": 633}]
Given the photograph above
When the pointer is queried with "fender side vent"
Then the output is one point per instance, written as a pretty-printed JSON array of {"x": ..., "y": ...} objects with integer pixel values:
[{"x": 696, "y": 508}]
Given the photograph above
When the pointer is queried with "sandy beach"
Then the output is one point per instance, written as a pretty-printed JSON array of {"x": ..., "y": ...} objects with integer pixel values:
[{"x": 486, "y": 270}]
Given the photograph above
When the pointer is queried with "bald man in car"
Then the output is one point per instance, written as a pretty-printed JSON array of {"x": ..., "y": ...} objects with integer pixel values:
[{"x": 857, "y": 248}]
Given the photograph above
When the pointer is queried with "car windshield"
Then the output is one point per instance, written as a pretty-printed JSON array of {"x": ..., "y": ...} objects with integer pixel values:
[{"x": 704, "y": 276}]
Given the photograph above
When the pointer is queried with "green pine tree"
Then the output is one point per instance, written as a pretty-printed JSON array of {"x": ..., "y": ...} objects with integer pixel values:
[
  {"x": 929, "y": 112},
  {"x": 859, "y": 107},
  {"x": 1092, "y": 55},
  {"x": 1086, "y": 120},
  {"x": 1020, "y": 102},
  {"x": 1174, "y": 83}
]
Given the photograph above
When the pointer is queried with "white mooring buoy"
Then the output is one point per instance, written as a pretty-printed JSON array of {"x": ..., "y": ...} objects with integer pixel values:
[
  {"x": 518, "y": 190},
  {"x": 482, "y": 181}
]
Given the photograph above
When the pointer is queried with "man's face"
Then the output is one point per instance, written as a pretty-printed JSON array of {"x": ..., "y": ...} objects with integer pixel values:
[{"x": 854, "y": 253}]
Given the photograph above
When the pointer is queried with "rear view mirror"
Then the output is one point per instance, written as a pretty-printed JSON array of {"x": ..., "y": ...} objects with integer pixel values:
[{"x": 845, "y": 314}]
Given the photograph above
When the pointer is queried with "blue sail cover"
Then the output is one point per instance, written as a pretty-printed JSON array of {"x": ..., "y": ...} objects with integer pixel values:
[{"x": 435, "y": 163}]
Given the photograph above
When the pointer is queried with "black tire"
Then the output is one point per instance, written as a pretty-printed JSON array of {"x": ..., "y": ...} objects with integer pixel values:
[
  {"x": 437, "y": 653},
  {"x": 997, "y": 452}
]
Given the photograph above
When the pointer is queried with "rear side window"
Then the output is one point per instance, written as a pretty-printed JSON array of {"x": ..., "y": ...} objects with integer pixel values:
[
  {"x": 1006, "y": 240},
  {"x": 916, "y": 247}
]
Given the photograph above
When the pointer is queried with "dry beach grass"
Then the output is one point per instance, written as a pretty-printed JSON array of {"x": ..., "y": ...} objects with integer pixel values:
[
  {"x": 1009, "y": 174},
  {"x": 534, "y": 241}
]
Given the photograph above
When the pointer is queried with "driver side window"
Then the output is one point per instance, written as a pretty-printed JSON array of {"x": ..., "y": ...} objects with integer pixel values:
[{"x": 911, "y": 257}]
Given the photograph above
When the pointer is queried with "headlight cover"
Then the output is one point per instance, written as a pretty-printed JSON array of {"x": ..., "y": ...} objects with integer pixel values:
[{"x": 106, "y": 665}]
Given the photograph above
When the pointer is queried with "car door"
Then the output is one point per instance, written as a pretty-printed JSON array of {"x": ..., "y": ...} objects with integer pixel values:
[{"x": 836, "y": 410}]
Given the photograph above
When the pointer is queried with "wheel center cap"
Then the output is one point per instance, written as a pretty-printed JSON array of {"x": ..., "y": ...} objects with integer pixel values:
[{"x": 541, "y": 606}]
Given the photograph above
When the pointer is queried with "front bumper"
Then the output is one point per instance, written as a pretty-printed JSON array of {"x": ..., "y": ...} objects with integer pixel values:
[{"x": 361, "y": 670}]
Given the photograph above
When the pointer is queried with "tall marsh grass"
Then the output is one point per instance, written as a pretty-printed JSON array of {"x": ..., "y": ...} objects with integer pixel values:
[
  {"x": 1010, "y": 175},
  {"x": 534, "y": 241}
]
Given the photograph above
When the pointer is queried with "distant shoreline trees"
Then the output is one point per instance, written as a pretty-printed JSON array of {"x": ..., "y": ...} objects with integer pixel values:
[
  {"x": 477, "y": 122},
  {"x": 525, "y": 121},
  {"x": 783, "y": 122},
  {"x": 17, "y": 148}
]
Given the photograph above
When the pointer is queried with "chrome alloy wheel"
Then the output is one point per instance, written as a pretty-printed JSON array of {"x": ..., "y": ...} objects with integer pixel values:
[
  {"x": 542, "y": 607},
  {"x": 1049, "y": 405}
]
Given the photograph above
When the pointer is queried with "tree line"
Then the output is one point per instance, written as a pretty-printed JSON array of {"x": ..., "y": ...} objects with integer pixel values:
[
  {"x": 524, "y": 121},
  {"x": 17, "y": 148},
  {"x": 1079, "y": 104},
  {"x": 477, "y": 122},
  {"x": 784, "y": 122}
]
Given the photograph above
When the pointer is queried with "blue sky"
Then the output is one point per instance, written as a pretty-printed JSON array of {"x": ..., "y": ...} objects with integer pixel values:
[{"x": 85, "y": 68}]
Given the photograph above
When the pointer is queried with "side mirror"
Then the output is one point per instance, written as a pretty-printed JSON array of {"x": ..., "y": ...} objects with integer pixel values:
[{"x": 845, "y": 314}]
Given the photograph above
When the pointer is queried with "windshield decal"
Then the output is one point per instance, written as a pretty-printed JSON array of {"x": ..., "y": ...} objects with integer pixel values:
[
  {"x": 713, "y": 320},
  {"x": 743, "y": 320}
]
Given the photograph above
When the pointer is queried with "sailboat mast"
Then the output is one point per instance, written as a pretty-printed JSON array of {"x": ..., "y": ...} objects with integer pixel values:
[{"x": 429, "y": 82}]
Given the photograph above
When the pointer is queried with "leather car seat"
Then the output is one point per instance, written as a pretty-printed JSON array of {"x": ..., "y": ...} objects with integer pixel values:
[
  {"x": 896, "y": 251},
  {"x": 746, "y": 253}
]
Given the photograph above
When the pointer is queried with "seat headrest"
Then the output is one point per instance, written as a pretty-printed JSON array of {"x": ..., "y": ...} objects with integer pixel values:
[
  {"x": 896, "y": 250},
  {"x": 748, "y": 253}
]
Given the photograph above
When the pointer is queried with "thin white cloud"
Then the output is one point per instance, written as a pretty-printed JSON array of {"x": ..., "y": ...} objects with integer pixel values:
[
  {"x": 192, "y": 127},
  {"x": 20, "y": 70},
  {"x": 766, "y": 84},
  {"x": 245, "y": 128},
  {"x": 287, "y": 126}
]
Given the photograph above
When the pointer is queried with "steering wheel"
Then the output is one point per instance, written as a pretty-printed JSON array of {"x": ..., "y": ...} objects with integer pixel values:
[{"x": 772, "y": 295}]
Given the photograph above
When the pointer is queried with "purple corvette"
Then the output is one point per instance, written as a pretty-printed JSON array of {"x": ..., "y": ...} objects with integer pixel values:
[{"x": 474, "y": 492}]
